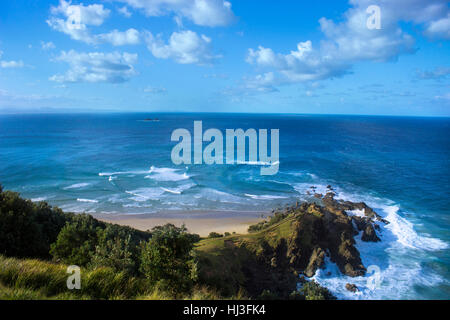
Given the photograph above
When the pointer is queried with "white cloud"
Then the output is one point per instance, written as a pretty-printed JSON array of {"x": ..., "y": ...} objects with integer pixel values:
[
  {"x": 76, "y": 19},
  {"x": 97, "y": 67},
  {"x": 261, "y": 83},
  {"x": 350, "y": 41},
  {"x": 93, "y": 14},
  {"x": 303, "y": 64},
  {"x": 125, "y": 12},
  {"x": 439, "y": 28},
  {"x": 185, "y": 47},
  {"x": 11, "y": 64},
  {"x": 118, "y": 38},
  {"x": 210, "y": 13},
  {"x": 47, "y": 45}
]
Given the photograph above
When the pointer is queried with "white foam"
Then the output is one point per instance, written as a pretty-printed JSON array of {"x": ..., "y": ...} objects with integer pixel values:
[
  {"x": 39, "y": 199},
  {"x": 179, "y": 189},
  {"x": 303, "y": 188},
  {"x": 102, "y": 174},
  {"x": 87, "y": 200},
  {"x": 264, "y": 197},
  {"x": 166, "y": 174},
  {"x": 258, "y": 163},
  {"x": 400, "y": 268},
  {"x": 404, "y": 231},
  {"x": 216, "y": 195},
  {"x": 77, "y": 186},
  {"x": 145, "y": 194},
  {"x": 356, "y": 212}
]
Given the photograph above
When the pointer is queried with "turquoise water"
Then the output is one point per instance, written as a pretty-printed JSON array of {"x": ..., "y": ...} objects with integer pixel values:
[{"x": 116, "y": 163}]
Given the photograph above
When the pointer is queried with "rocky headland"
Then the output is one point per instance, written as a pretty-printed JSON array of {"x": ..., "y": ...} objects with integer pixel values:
[{"x": 289, "y": 247}]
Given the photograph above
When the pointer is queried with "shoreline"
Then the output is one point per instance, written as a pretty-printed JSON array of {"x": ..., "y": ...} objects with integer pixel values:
[{"x": 199, "y": 222}]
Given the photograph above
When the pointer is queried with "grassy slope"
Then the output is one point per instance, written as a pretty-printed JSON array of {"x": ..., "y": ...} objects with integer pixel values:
[{"x": 222, "y": 260}]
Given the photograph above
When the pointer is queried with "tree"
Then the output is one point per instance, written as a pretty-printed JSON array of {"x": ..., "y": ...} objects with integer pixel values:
[
  {"x": 114, "y": 251},
  {"x": 167, "y": 259},
  {"x": 77, "y": 240},
  {"x": 27, "y": 229}
]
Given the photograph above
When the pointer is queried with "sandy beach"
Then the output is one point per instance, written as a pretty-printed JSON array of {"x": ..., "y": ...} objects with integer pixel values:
[{"x": 198, "y": 222}]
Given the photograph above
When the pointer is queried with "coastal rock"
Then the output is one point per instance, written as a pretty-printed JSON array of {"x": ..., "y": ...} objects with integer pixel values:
[
  {"x": 351, "y": 287},
  {"x": 318, "y": 230},
  {"x": 316, "y": 261},
  {"x": 369, "y": 234},
  {"x": 294, "y": 241}
]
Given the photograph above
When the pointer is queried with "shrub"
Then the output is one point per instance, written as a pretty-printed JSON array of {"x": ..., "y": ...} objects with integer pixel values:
[
  {"x": 27, "y": 229},
  {"x": 77, "y": 240},
  {"x": 116, "y": 254},
  {"x": 215, "y": 235},
  {"x": 311, "y": 290},
  {"x": 167, "y": 259}
]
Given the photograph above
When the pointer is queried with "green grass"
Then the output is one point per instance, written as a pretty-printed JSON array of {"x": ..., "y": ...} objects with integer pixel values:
[
  {"x": 222, "y": 259},
  {"x": 32, "y": 279},
  {"x": 35, "y": 279}
]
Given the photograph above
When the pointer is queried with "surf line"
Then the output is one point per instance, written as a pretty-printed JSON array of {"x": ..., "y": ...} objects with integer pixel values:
[{"x": 213, "y": 153}]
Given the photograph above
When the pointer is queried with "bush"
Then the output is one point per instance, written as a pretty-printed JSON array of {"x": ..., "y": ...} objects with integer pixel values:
[
  {"x": 167, "y": 259},
  {"x": 77, "y": 240},
  {"x": 116, "y": 254},
  {"x": 311, "y": 290},
  {"x": 27, "y": 229},
  {"x": 215, "y": 235},
  {"x": 277, "y": 217}
]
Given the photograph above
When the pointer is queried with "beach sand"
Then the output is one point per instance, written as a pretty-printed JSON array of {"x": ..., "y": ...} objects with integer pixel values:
[{"x": 198, "y": 222}]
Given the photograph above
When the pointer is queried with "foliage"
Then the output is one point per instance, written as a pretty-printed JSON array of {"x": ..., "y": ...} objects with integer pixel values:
[
  {"x": 167, "y": 259},
  {"x": 215, "y": 235},
  {"x": 276, "y": 218},
  {"x": 116, "y": 253},
  {"x": 311, "y": 290},
  {"x": 27, "y": 229},
  {"x": 77, "y": 240}
]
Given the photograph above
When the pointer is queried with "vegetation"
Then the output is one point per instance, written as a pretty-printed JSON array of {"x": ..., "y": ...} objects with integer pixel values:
[
  {"x": 38, "y": 243},
  {"x": 215, "y": 235},
  {"x": 167, "y": 259},
  {"x": 277, "y": 217}
]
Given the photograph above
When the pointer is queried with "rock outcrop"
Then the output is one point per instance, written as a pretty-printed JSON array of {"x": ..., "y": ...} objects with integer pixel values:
[
  {"x": 297, "y": 240},
  {"x": 351, "y": 287}
]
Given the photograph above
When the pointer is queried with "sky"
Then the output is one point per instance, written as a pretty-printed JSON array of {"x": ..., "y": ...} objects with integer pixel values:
[{"x": 378, "y": 57}]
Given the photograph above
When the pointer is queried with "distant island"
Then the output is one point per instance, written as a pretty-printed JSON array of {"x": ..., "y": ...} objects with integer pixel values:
[{"x": 274, "y": 260}]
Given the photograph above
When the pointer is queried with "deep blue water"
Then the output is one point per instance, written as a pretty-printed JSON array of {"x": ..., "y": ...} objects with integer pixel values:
[{"x": 115, "y": 163}]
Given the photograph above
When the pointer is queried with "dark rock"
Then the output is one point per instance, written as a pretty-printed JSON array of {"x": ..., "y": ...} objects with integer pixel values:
[
  {"x": 351, "y": 287},
  {"x": 318, "y": 195},
  {"x": 323, "y": 229},
  {"x": 316, "y": 261},
  {"x": 369, "y": 234},
  {"x": 360, "y": 223}
]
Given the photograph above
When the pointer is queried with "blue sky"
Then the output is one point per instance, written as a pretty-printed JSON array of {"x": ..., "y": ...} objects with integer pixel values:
[{"x": 225, "y": 56}]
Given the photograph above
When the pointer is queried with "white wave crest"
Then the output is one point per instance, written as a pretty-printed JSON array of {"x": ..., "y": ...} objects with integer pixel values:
[
  {"x": 77, "y": 186},
  {"x": 87, "y": 200},
  {"x": 166, "y": 174},
  {"x": 264, "y": 197}
]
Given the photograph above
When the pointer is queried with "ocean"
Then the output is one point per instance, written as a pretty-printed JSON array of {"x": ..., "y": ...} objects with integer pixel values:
[{"x": 119, "y": 164}]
